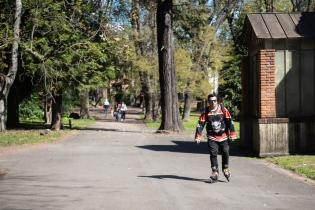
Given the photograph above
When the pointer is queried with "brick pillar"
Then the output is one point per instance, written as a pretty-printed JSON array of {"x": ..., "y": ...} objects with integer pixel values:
[{"x": 266, "y": 84}]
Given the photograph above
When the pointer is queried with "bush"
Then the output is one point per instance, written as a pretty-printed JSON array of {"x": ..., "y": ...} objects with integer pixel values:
[
  {"x": 70, "y": 99},
  {"x": 31, "y": 109}
]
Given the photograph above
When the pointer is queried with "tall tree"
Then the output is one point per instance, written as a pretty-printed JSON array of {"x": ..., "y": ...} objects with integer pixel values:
[
  {"x": 302, "y": 5},
  {"x": 192, "y": 29},
  {"x": 56, "y": 123},
  {"x": 141, "y": 19},
  {"x": 220, "y": 11},
  {"x": 169, "y": 100},
  {"x": 269, "y": 4},
  {"x": 6, "y": 81}
]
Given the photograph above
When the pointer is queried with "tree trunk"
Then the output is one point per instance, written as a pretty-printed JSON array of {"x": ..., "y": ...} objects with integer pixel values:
[
  {"x": 7, "y": 81},
  {"x": 84, "y": 102},
  {"x": 3, "y": 101},
  {"x": 169, "y": 100},
  {"x": 187, "y": 106},
  {"x": 13, "y": 108},
  {"x": 144, "y": 76},
  {"x": 56, "y": 123},
  {"x": 147, "y": 97},
  {"x": 269, "y": 5},
  {"x": 107, "y": 9},
  {"x": 47, "y": 110},
  {"x": 156, "y": 107},
  {"x": 104, "y": 93},
  {"x": 154, "y": 92},
  {"x": 152, "y": 23},
  {"x": 21, "y": 88},
  {"x": 100, "y": 11}
]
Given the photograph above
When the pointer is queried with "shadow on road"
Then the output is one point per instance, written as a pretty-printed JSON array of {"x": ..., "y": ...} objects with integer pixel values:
[
  {"x": 128, "y": 120},
  {"x": 121, "y": 127},
  {"x": 111, "y": 129},
  {"x": 178, "y": 177},
  {"x": 191, "y": 147},
  {"x": 180, "y": 146}
]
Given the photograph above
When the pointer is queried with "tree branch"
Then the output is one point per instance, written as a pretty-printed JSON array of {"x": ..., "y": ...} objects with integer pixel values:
[
  {"x": 222, "y": 15},
  {"x": 35, "y": 54}
]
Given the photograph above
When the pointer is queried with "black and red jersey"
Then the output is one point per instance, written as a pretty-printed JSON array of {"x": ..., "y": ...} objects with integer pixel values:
[{"x": 218, "y": 122}]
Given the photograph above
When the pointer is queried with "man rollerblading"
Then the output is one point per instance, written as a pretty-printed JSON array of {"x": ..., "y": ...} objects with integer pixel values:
[{"x": 220, "y": 130}]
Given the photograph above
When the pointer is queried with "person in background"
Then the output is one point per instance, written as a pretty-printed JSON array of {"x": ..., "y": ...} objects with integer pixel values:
[
  {"x": 124, "y": 110},
  {"x": 220, "y": 130},
  {"x": 106, "y": 107},
  {"x": 111, "y": 111}
]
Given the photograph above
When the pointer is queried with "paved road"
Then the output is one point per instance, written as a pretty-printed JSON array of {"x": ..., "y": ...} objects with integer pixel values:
[{"x": 126, "y": 166}]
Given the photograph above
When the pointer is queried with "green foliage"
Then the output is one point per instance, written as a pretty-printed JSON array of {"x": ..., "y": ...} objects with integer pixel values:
[
  {"x": 64, "y": 47},
  {"x": 231, "y": 83},
  {"x": 78, "y": 123},
  {"x": 185, "y": 76},
  {"x": 146, "y": 64},
  {"x": 69, "y": 50},
  {"x": 6, "y": 33},
  {"x": 260, "y": 6},
  {"x": 70, "y": 100},
  {"x": 191, "y": 28},
  {"x": 189, "y": 19},
  {"x": 30, "y": 109}
]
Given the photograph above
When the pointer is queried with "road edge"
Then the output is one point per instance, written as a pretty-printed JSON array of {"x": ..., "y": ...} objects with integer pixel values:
[{"x": 289, "y": 173}]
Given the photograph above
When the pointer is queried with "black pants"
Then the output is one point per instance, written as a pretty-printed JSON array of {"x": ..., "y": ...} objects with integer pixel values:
[
  {"x": 214, "y": 148},
  {"x": 123, "y": 114}
]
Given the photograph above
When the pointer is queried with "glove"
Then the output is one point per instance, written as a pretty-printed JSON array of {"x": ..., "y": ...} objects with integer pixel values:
[
  {"x": 197, "y": 140},
  {"x": 232, "y": 136}
]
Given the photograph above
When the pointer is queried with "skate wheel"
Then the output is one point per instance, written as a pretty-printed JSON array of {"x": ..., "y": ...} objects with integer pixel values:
[{"x": 211, "y": 180}]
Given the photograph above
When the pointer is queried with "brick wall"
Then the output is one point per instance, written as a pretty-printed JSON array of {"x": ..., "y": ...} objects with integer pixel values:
[{"x": 266, "y": 84}]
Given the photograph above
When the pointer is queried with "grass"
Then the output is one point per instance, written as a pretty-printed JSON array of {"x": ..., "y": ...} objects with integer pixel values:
[
  {"x": 78, "y": 123},
  {"x": 20, "y": 137},
  {"x": 152, "y": 124},
  {"x": 191, "y": 122},
  {"x": 301, "y": 164},
  {"x": 32, "y": 136}
]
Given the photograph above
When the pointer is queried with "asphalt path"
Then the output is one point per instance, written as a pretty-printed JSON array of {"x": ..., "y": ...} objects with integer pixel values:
[{"x": 124, "y": 165}]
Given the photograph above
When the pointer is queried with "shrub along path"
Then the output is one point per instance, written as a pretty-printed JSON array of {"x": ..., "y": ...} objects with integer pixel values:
[{"x": 114, "y": 165}]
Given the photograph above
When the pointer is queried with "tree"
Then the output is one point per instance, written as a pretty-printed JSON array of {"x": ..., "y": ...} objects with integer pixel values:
[
  {"x": 6, "y": 81},
  {"x": 143, "y": 24},
  {"x": 302, "y": 5},
  {"x": 169, "y": 100},
  {"x": 72, "y": 49},
  {"x": 194, "y": 33}
]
